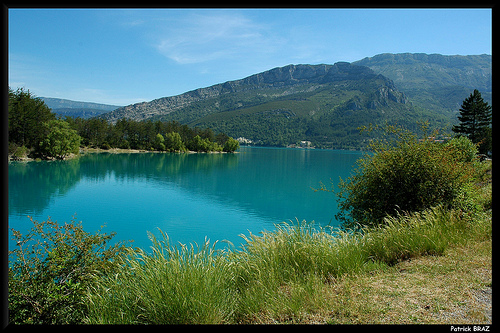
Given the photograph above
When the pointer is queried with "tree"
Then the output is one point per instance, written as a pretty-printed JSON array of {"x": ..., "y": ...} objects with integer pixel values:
[
  {"x": 60, "y": 140},
  {"x": 231, "y": 145},
  {"x": 173, "y": 142},
  {"x": 475, "y": 121},
  {"x": 198, "y": 144},
  {"x": 159, "y": 143},
  {"x": 26, "y": 114}
]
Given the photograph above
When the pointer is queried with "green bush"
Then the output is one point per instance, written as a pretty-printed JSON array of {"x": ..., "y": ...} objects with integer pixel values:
[
  {"x": 105, "y": 146},
  {"x": 410, "y": 176},
  {"x": 18, "y": 152},
  {"x": 231, "y": 145},
  {"x": 462, "y": 149},
  {"x": 51, "y": 268},
  {"x": 173, "y": 142}
]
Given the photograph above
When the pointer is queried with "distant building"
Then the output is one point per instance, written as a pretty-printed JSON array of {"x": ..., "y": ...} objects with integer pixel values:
[
  {"x": 305, "y": 144},
  {"x": 244, "y": 141}
]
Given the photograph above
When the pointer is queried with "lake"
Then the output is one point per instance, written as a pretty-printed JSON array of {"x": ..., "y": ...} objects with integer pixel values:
[{"x": 188, "y": 196}]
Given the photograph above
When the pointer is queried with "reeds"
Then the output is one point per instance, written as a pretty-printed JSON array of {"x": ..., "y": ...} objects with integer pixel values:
[
  {"x": 277, "y": 274},
  {"x": 172, "y": 285}
]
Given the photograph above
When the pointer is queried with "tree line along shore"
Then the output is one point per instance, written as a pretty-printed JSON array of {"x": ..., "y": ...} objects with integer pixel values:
[{"x": 36, "y": 132}]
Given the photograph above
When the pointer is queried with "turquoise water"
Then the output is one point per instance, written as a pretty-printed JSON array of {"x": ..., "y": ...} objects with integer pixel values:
[{"x": 188, "y": 196}]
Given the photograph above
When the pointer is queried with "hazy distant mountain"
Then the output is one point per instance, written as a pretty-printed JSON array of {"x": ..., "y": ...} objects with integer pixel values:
[
  {"x": 66, "y": 107},
  {"x": 434, "y": 81}
]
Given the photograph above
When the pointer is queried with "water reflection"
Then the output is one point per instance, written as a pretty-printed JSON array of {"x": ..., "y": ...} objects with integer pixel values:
[
  {"x": 187, "y": 195},
  {"x": 33, "y": 186}
]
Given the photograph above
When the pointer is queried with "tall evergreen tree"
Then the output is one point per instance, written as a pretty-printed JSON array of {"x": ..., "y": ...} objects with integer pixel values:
[
  {"x": 26, "y": 114},
  {"x": 475, "y": 121}
]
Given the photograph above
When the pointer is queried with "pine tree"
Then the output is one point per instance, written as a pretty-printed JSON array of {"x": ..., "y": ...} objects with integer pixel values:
[
  {"x": 26, "y": 114},
  {"x": 475, "y": 121}
]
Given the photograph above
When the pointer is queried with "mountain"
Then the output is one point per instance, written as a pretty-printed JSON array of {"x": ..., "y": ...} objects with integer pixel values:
[
  {"x": 66, "y": 107},
  {"x": 325, "y": 104},
  {"x": 434, "y": 81},
  {"x": 320, "y": 103},
  {"x": 257, "y": 88}
]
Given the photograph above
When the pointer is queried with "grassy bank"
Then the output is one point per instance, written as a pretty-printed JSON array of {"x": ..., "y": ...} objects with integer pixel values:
[{"x": 416, "y": 269}]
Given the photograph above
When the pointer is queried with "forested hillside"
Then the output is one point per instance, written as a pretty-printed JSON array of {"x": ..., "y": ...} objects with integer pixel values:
[{"x": 324, "y": 104}]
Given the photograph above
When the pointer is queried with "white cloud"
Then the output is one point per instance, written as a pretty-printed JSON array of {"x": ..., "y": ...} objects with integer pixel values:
[{"x": 204, "y": 37}]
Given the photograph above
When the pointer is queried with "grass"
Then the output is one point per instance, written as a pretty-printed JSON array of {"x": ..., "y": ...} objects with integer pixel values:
[
  {"x": 447, "y": 289},
  {"x": 299, "y": 274},
  {"x": 175, "y": 285}
]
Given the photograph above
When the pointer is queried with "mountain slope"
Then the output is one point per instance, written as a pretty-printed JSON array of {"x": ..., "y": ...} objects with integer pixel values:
[
  {"x": 320, "y": 103},
  {"x": 267, "y": 83},
  {"x": 66, "y": 107},
  {"x": 434, "y": 81}
]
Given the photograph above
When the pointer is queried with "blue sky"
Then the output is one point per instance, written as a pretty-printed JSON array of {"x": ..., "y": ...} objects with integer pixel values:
[{"x": 125, "y": 56}]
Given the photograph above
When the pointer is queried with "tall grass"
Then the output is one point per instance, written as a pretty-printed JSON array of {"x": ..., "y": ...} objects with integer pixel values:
[
  {"x": 429, "y": 232},
  {"x": 275, "y": 274},
  {"x": 173, "y": 285}
]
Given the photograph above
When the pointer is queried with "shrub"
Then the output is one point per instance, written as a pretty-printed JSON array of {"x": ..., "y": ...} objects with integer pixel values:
[
  {"x": 105, "y": 146},
  {"x": 231, "y": 145},
  {"x": 462, "y": 149},
  {"x": 173, "y": 142},
  {"x": 51, "y": 268},
  {"x": 410, "y": 176},
  {"x": 18, "y": 152}
]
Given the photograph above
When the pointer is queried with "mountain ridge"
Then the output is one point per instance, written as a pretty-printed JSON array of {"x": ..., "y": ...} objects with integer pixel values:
[
  {"x": 61, "y": 103},
  {"x": 435, "y": 81},
  {"x": 279, "y": 77},
  {"x": 66, "y": 107},
  {"x": 324, "y": 103}
]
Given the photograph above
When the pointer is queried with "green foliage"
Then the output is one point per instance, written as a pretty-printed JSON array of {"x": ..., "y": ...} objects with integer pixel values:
[
  {"x": 462, "y": 149},
  {"x": 407, "y": 176},
  {"x": 147, "y": 135},
  {"x": 60, "y": 141},
  {"x": 203, "y": 145},
  {"x": 51, "y": 269},
  {"x": 475, "y": 121},
  {"x": 173, "y": 142},
  {"x": 159, "y": 143},
  {"x": 231, "y": 145},
  {"x": 172, "y": 285},
  {"x": 17, "y": 152},
  {"x": 34, "y": 129},
  {"x": 26, "y": 113}
]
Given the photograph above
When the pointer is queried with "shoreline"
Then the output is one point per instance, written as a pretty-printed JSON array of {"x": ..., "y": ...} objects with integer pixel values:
[{"x": 87, "y": 150}]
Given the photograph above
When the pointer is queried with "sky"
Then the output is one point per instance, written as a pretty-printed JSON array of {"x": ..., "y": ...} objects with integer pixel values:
[{"x": 126, "y": 56}]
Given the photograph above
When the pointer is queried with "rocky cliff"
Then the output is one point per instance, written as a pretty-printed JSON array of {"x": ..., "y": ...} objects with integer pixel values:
[{"x": 287, "y": 76}]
